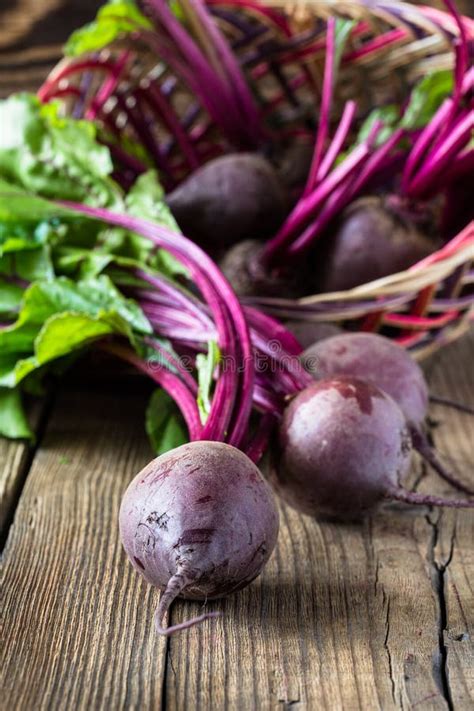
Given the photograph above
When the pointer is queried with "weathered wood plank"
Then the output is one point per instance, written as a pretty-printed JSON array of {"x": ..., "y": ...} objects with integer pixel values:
[
  {"x": 32, "y": 34},
  {"x": 344, "y": 617},
  {"x": 348, "y": 617},
  {"x": 78, "y": 630},
  {"x": 15, "y": 458},
  {"x": 452, "y": 376}
]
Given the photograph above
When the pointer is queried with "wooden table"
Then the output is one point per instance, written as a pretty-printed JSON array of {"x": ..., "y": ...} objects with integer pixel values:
[{"x": 377, "y": 616}]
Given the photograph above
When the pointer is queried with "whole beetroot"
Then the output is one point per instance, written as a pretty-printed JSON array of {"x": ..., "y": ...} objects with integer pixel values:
[
  {"x": 198, "y": 522},
  {"x": 344, "y": 449},
  {"x": 390, "y": 367},
  {"x": 344, "y": 445},
  {"x": 242, "y": 266},
  {"x": 231, "y": 198},
  {"x": 372, "y": 239},
  {"x": 376, "y": 359}
]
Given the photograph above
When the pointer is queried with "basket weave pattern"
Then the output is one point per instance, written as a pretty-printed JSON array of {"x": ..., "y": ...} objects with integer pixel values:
[{"x": 281, "y": 47}]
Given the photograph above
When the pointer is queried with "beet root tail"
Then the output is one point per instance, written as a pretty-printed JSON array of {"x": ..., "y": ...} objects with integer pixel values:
[
  {"x": 412, "y": 497},
  {"x": 438, "y": 400},
  {"x": 426, "y": 451},
  {"x": 176, "y": 585}
]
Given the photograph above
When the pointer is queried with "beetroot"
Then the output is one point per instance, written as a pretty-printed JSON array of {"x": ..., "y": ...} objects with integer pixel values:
[
  {"x": 249, "y": 277},
  {"x": 198, "y": 522},
  {"x": 376, "y": 359},
  {"x": 345, "y": 448},
  {"x": 229, "y": 199},
  {"x": 371, "y": 240},
  {"x": 389, "y": 367}
]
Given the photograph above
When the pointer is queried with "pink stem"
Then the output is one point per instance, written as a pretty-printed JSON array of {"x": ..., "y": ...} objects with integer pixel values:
[
  {"x": 458, "y": 137},
  {"x": 338, "y": 140},
  {"x": 257, "y": 446},
  {"x": 302, "y": 213},
  {"x": 323, "y": 124},
  {"x": 427, "y": 136},
  {"x": 175, "y": 363},
  {"x": 169, "y": 382},
  {"x": 108, "y": 87}
]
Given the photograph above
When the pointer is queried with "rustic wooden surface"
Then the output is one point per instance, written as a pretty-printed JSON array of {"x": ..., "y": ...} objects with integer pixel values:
[{"x": 378, "y": 616}]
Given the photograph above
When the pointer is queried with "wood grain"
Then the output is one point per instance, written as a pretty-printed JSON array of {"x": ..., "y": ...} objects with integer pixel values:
[
  {"x": 77, "y": 630},
  {"x": 15, "y": 460},
  {"x": 32, "y": 33},
  {"x": 453, "y": 532},
  {"x": 344, "y": 617},
  {"x": 373, "y": 617}
]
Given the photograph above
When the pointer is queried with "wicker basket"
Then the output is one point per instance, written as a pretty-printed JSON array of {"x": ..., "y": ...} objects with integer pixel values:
[{"x": 281, "y": 48}]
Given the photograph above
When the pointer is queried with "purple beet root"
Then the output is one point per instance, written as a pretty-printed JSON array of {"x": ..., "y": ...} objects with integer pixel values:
[
  {"x": 388, "y": 366},
  {"x": 377, "y": 360},
  {"x": 294, "y": 163},
  {"x": 344, "y": 449},
  {"x": 243, "y": 267},
  {"x": 372, "y": 239},
  {"x": 198, "y": 522},
  {"x": 229, "y": 199}
]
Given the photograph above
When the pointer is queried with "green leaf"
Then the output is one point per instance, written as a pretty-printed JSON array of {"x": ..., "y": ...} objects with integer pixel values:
[
  {"x": 146, "y": 199},
  {"x": 116, "y": 18},
  {"x": 131, "y": 251},
  {"x": 10, "y": 297},
  {"x": 66, "y": 332},
  {"x": 28, "y": 265},
  {"x": 90, "y": 296},
  {"x": 342, "y": 32},
  {"x": 389, "y": 115},
  {"x": 13, "y": 422},
  {"x": 206, "y": 365},
  {"x": 426, "y": 97},
  {"x": 54, "y": 156},
  {"x": 60, "y": 316},
  {"x": 164, "y": 423}
]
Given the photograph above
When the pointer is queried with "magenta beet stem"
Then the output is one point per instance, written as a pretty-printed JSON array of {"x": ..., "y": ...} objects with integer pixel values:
[
  {"x": 152, "y": 95},
  {"x": 338, "y": 140},
  {"x": 235, "y": 77},
  {"x": 259, "y": 442},
  {"x": 303, "y": 211},
  {"x": 438, "y": 161},
  {"x": 174, "y": 363},
  {"x": 108, "y": 87},
  {"x": 323, "y": 124},
  {"x": 234, "y": 338},
  {"x": 424, "y": 141},
  {"x": 181, "y": 298},
  {"x": 207, "y": 84},
  {"x": 171, "y": 383}
]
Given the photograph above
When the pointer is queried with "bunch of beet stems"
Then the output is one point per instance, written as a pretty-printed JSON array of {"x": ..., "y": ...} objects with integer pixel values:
[
  {"x": 248, "y": 341},
  {"x": 439, "y": 154},
  {"x": 203, "y": 60}
]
